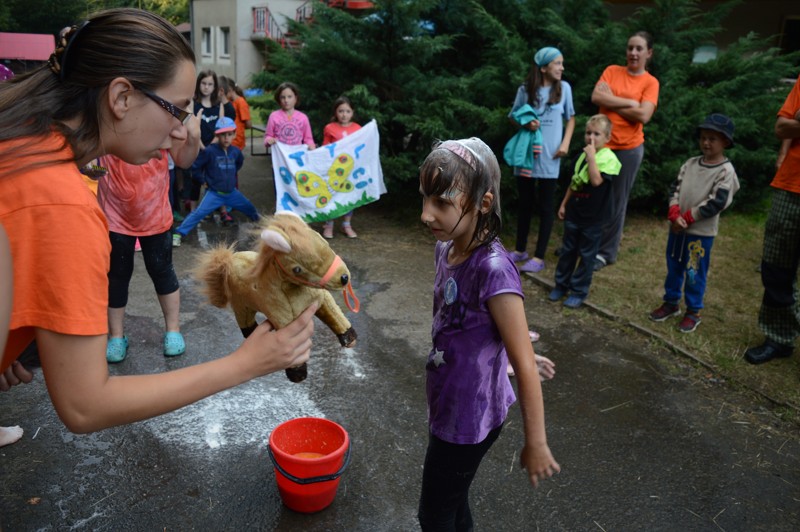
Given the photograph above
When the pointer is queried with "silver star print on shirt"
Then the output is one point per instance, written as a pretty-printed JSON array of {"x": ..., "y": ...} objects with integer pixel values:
[{"x": 438, "y": 358}]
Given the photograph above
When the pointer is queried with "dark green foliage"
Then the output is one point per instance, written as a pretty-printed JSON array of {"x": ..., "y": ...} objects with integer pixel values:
[
  {"x": 41, "y": 16},
  {"x": 459, "y": 79},
  {"x": 50, "y": 16}
]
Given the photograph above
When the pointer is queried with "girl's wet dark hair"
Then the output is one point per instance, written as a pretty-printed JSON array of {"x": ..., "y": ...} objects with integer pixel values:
[
  {"x": 130, "y": 43},
  {"x": 287, "y": 85},
  {"x": 467, "y": 166},
  {"x": 214, "y": 94}
]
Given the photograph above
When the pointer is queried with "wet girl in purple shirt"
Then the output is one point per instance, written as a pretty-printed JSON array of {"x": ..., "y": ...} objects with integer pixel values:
[{"x": 479, "y": 326}]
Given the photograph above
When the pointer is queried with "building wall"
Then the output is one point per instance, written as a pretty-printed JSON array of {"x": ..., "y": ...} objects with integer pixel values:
[{"x": 246, "y": 55}]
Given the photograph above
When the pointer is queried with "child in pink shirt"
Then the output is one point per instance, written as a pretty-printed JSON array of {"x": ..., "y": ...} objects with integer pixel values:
[
  {"x": 287, "y": 125},
  {"x": 340, "y": 126}
]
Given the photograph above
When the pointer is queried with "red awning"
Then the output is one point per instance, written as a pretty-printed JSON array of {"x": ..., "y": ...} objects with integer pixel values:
[{"x": 26, "y": 46}]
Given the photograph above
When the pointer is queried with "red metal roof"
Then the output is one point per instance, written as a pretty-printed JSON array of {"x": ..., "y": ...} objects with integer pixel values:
[{"x": 26, "y": 46}]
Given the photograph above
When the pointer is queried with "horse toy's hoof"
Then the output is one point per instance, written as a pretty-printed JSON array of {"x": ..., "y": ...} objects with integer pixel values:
[{"x": 297, "y": 373}]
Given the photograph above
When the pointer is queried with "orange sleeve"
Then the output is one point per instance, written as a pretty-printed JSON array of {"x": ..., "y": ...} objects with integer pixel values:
[
  {"x": 60, "y": 251},
  {"x": 788, "y": 175}
]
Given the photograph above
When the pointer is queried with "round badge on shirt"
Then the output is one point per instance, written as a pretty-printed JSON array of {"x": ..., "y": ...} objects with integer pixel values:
[{"x": 450, "y": 291}]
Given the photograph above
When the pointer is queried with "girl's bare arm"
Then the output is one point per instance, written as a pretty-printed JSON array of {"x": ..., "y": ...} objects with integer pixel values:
[{"x": 508, "y": 313}]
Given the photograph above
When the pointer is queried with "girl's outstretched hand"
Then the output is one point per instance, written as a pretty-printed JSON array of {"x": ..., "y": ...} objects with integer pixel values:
[
  {"x": 538, "y": 462},
  {"x": 546, "y": 367},
  {"x": 267, "y": 350}
]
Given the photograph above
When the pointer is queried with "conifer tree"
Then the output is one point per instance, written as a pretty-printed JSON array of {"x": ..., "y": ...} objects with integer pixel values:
[{"x": 430, "y": 70}]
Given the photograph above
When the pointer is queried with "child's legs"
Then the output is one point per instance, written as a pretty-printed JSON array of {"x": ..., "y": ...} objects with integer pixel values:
[
  {"x": 446, "y": 477},
  {"x": 211, "y": 202},
  {"x": 676, "y": 267},
  {"x": 346, "y": 219},
  {"x": 568, "y": 257},
  {"x": 121, "y": 268},
  {"x": 157, "y": 255},
  {"x": 546, "y": 205},
  {"x": 237, "y": 200},
  {"x": 588, "y": 244},
  {"x": 525, "y": 201},
  {"x": 699, "y": 257}
]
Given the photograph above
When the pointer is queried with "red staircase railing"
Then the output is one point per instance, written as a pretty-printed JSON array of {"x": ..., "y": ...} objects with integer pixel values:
[{"x": 266, "y": 26}]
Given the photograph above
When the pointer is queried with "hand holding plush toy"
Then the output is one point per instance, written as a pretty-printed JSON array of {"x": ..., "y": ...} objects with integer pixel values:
[{"x": 293, "y": 267}]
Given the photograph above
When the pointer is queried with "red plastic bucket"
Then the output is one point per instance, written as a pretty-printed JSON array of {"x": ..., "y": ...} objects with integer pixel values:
[{"x": 309, "y": 455}]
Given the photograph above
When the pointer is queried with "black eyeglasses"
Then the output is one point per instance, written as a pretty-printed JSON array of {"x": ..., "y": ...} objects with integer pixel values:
[{"x": 171, "y": 108}]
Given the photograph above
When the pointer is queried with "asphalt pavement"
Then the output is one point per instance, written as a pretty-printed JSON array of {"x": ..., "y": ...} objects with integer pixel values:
[{"x": 646, "y": 440}]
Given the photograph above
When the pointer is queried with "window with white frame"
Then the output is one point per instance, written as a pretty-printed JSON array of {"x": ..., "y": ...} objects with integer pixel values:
[
  {"x": 225, "y": 42},
  {"x": 205, "y": 44}
]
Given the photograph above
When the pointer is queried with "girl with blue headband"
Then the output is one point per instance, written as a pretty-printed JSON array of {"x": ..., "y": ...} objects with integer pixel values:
[{"x": 551, "y": 98}]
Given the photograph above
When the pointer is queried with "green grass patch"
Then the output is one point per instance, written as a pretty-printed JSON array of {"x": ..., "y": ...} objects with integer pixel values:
[{"x": 634, "y": 286}]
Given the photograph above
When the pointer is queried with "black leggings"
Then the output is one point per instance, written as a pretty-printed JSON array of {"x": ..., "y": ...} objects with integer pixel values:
[
  {"x": 527, "y": 199},
  {"x": 157, "y": 253},
  {"x": 446, "y": 478}
]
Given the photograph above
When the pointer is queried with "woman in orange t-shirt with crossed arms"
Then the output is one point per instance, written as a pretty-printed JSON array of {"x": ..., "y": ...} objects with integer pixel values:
[{"x": 628, "y": 95}]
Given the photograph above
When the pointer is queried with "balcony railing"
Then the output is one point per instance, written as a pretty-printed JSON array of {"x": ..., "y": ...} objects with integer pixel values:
[{"x": 265, "y": 25}]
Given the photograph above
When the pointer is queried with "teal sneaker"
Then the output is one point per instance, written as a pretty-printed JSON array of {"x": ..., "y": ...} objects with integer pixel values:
[
  {"x": 174, "y": 344},
  {"x": 117, "y": 349}
]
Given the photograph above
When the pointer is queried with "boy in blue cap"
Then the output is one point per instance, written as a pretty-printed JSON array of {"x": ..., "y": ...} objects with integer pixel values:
[
  {"x": 219, "y": 162},
  {"x": 705, "y": 187}
]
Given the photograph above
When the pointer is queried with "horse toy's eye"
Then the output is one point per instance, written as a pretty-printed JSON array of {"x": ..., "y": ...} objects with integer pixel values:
[{"x": 297, "y": 269}]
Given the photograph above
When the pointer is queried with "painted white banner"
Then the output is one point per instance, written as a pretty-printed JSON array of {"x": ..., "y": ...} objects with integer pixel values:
[{"x": 325, "y": 183}]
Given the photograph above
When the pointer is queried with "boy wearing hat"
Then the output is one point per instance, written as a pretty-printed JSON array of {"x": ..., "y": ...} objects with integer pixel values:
[
  {"x": 219, "y": 162},
  {"x": 704, "y": 188}
]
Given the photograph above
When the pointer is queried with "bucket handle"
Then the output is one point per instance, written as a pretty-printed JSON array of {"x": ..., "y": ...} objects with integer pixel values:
[{"x": 310, "y": 480}]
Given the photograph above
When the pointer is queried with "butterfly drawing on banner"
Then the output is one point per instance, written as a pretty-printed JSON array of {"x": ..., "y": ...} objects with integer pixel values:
[{"x": 311, "y": 185}]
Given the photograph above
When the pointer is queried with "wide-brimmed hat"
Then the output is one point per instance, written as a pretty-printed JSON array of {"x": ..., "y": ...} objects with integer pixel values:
[
  {"x": 720, "y": 123},
  {"x": 224, "y": 125}
]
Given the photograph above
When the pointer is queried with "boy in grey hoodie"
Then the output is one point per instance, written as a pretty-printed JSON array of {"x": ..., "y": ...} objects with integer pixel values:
[{"x": 705, "y": 187}]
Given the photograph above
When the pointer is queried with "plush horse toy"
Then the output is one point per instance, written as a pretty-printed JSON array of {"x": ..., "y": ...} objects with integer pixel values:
[{"x": 293, "y": 268}]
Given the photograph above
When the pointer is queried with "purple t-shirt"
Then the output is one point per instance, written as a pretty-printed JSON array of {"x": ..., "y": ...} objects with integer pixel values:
[{"x": 468, "y": 389}]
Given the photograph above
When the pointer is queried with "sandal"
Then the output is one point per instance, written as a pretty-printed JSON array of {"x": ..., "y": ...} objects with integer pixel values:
[
  {"x": 174, "y": 344},
  {"x": 117, "y": 349},
  {"x": 348, "y": 231},
  {"x": 327, "y": 231}
]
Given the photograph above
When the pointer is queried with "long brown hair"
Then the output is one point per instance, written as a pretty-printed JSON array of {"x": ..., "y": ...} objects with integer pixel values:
[
  {"x": 534, "y": 81},
  {"x": 131, "y": 43},
  {"x": 198, "y": 96}
]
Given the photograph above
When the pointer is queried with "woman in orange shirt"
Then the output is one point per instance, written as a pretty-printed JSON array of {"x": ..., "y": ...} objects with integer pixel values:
[
  {"x": 628, "y": 95},
  {"x": 119, "y": 83}
]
